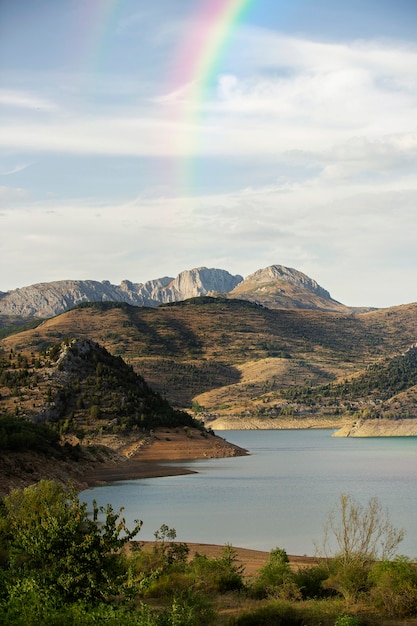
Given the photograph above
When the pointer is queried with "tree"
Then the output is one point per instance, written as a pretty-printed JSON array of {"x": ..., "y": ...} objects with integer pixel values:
[
  {"x": 363, "y": 533},
  {"x": 276, "y": 578},
  {"x": 50, "y": 537},
  {"x": 356, "y": 536}
]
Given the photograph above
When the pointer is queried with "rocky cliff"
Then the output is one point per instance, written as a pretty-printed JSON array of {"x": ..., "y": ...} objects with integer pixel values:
[
  {"x": 275, "y": 287},
  {"x": 380, "y": 428},
  {"x": 275, "y": 273},
  {"x": 49, "y": 299}
]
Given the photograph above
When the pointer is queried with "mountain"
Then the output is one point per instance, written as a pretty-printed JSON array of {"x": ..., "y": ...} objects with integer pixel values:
[
  {"x": 49, "y": 299},
  {"x": 237, "y": 364},
  {"x": 274, "y": 287},
  {"x": 282, "y": 287}
]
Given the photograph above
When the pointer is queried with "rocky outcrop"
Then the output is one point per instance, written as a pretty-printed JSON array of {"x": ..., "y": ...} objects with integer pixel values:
[
  {"x": 284, "y": 287},
  {"x": 275, "y": 286},
  {"x": 288, "y": 275},
  {"x": 49, "y": 299},
  {"x": 380, "y": 428},
  {"x": 200, "y": 282}
]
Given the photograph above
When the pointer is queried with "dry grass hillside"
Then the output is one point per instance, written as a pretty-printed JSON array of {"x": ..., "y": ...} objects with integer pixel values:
[{"x": 232, "y": 359}]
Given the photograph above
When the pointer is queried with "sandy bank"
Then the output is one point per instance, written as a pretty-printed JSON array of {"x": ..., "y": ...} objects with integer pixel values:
[
  {"x": 379, "y": 428},
  {"x": 251, "y": 560},
  {"x": 231, "y": 422},
  {"x": 165, "y": 445}
]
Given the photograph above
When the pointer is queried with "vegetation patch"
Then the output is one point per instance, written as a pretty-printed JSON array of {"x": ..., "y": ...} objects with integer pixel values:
[{"x": 62, "y": 564}]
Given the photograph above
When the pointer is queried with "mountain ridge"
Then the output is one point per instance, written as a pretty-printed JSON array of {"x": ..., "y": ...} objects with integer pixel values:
[
  {"x": 275, "y": 286},
  {"x": 232, "y": 358}
]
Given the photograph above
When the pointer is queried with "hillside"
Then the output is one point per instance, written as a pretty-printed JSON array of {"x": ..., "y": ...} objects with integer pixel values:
[
  {"x": 73, "y": 393},
  {"x": 275, "y": 287},
  {"x": 236, "y": 363}
]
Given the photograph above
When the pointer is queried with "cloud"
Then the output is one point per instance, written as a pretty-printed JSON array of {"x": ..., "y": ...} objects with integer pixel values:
[
  {"x": 313, "y": 96},
  {"x": 329, "y": 130},
  {"x": 337, "y": 235},
  {"x": 14, "y": 170},
  {"x": 25, "y": 100},
  {"x": 12, "y": 194}
]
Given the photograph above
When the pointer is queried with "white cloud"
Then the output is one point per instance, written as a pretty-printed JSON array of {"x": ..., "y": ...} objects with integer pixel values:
[
  {"x": 337, "y": 235},
  {"x": 9, "y": 195},
  {"x": 25, "y": 100},
  {"x": 14, "y": 169},
  {"x": 313, "y": 96}
]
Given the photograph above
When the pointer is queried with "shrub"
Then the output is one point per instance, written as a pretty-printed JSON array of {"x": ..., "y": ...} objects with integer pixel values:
[
  {"x": 394, "y": 587},
  {"x": 275, "y": 577},
  {"x": 189, "y": 609},
  {"x": 17, "y": 433},
  {"x": 348, "y": 579},
  {"x": 217, "y": 575},
  {"x": 310, "y": 581},
  {"x": 50, "y": 538},
  {"x": 31, "y": 609}
]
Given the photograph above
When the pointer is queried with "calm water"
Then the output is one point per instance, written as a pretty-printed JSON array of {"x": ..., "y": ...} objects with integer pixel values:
[{"x": 280, "y": 495}]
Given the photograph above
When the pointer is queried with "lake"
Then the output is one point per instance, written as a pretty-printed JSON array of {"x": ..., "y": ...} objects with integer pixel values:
[{"x": 279, "y": 495}]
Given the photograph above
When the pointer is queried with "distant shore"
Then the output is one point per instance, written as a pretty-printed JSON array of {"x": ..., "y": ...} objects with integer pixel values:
[{"x": 166, "y": 445}]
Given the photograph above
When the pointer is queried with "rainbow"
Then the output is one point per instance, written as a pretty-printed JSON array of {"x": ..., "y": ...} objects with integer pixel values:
[
  {"x": 196, "y": 65},
  {"x": 196, "y": 68},
  {"x": 199, "y": 58}
]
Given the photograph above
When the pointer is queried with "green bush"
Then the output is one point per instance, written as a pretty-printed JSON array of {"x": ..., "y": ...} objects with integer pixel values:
[
  {"x": 310, "y": 581},
  {"x": 348, "y": 579},
  {"x": 189, "y": 609},
  {"x": 17, "y": 433},
  {"x": 275, "y": 578},
  {"x": 217, "y": 575},
  {"x": 30, "y": 609},
  {"x": 50, "y": 539},
  {"x": 394, "y": 587}
]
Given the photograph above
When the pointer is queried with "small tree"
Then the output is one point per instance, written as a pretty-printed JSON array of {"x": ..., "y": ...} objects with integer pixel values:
[
  {"x": 167, "y": 549},
  {"x": 276, "y": 578},
  {"x": 356, "y": 536},
  {"x": 50, "y": 537},
  {"x": 362, "y": 533}
]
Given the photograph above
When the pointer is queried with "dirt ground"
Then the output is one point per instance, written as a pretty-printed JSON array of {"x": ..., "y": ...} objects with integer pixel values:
[
  {"x": 147, "y": 461},
  {"x": 252, "y": 560}
]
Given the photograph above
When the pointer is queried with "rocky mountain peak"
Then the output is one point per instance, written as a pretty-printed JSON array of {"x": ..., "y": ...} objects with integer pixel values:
[
  {"x": 289, "y": 275},
  {"x": 202, "y": 281},
  {"x": 275, "y": 286},
  {"x": 50, "y": 299}
]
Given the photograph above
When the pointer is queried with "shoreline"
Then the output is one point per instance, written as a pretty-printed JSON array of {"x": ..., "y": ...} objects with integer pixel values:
[
  {"x": 153, "y": 459},
  {"x": 133, "y": 470},
  {"x": 252, "y": 560}
]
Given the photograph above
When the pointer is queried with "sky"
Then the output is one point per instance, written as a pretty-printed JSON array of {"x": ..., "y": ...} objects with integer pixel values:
[{"x": 139, "y": 139}]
